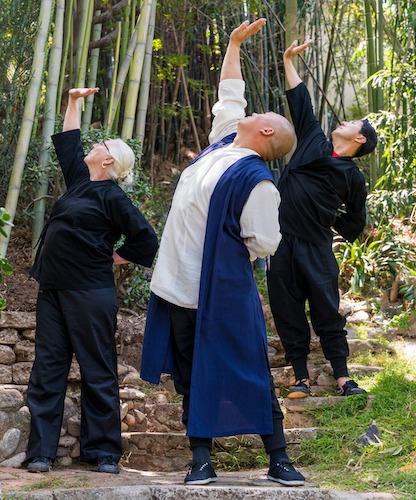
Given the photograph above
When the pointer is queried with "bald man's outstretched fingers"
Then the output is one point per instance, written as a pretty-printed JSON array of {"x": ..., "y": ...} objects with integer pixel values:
[{"x": 246, "y": 29}]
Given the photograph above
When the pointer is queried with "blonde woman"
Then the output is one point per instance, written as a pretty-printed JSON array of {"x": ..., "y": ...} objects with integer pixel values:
[{"x": 77, "y": 302}]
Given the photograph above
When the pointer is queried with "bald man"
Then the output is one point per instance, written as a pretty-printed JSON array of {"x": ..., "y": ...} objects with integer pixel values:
[{"x": 205, "y": 323}]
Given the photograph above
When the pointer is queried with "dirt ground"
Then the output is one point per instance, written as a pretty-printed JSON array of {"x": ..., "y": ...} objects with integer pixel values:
[{"x": 19, "y": 289}]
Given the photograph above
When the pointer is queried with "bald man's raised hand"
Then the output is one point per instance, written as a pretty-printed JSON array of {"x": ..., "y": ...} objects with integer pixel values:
[{"x": 246, "y": 30}]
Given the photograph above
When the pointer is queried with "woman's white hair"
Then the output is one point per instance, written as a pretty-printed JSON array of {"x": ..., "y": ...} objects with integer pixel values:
[{"x": 122, "y": 169}]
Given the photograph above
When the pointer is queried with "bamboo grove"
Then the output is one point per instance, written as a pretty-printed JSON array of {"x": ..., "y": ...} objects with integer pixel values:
[{"x": 157, "y": 65}]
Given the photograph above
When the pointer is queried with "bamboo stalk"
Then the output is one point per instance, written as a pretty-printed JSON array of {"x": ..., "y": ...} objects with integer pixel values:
[
  {"x": 92, "y": 76},
  {"x": 371, "y": 56},
  {"x": 122, "y": 74},
  {"x": 380, "y": 47},
  {"x": 84, "y": 40},
  {"x": 145, "y": 81},
  {"x": 49, "y": 115},
  {"x": 67, "y": 40},
  {"x": 136, "y": 71},
  {"x": 114, "y": 78}
]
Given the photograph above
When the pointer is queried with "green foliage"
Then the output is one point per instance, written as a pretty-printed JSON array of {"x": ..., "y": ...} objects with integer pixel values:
[
  {"x": 382, "y": 252},
  {"x": 17, "y": 34},
  {"x": 374, "y": 260},
  {"x": 401, "y": 321},
  {"x": 5, "y": 267},
  {"x": 138, "y": 288},
  {"x": 388, "y": 467},
  {"x": 384, "y": 204}
]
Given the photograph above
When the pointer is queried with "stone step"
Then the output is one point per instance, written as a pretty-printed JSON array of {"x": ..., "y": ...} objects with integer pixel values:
[
  {"x": 139, "y": 485},
  {"x": 166, "y": 417},
  {"x": 311, "y": 403},
  {"x": 169, "y": 451}
]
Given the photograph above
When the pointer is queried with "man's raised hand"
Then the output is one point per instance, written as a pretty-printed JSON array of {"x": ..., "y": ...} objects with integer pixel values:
[
  {"x": 246, "y": 30},
  {"x": 295, "y": 49},
  {"x": 82, "y": 92}
]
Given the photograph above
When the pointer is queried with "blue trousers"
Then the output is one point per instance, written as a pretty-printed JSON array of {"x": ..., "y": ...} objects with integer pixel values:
[{"x": 80, "y": 322}]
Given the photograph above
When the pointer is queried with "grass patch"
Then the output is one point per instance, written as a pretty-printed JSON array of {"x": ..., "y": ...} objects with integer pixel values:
[
  {"x": 58, "y": 483},
  {"x": 335, "y": 461},
  {"x": 237, "y": 453}
]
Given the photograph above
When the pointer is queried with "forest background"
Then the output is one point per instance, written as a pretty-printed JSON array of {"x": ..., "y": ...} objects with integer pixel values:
[{"x": 157, "y": 65}]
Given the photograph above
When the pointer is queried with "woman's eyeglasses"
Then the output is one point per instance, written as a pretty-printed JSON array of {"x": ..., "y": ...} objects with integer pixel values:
[{"x": 102, "y": 143}]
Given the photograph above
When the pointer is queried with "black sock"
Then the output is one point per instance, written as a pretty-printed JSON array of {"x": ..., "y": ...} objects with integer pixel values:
[
  {"x": 278, "y": 455},
  {"x": 201, "y": 454}
]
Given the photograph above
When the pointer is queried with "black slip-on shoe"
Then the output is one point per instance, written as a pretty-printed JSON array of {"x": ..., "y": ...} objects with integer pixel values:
[
  {"x": 108, "y": 464},
  {"x": 200, "y": 473},
  {"x": 283, "y": 472},
  {"x": 40, "y": 464}
]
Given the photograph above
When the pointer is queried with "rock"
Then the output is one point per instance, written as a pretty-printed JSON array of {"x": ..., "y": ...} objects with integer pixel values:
[
  {"x": 372, "y": 346},
  {"x": 18, "y": 320},
  {"x": 67, "y": 441},
  {"x": 21, "y": 373},
  {"x": 10, "y": 399},
  {"x": 359, "y": 317},
  {"x": 139, "y": 416},
  {"x": 283, "y": 376},
  {"x": 25, "y": 351},
  {"x": 123, "y": 410},
  {"x": 132, "y": 378},
  {"x": 74, "y": 426},
  {"x": 10, "y": 442},
  {"x": 64, "y": 461},
  {"x": 15, "y": 461},
  {"x": 362, "y": 306},
  {"x": 130, "y": 420},
  {"x": 7, "y": 355},
  {"x": 345, "y": 308},
  {"x": 371, "y": 437},
  {"x": 76, "y": 451},
  {"x": 29, "y": 334},
  {"x": 131, "y": 394},
  {"x": 74, "y": 372},
  {"x": 6, "y": 375},
  {"x": 9, "y": 336}
]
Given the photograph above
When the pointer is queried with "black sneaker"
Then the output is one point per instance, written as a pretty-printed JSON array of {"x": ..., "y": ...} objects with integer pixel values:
[
  {"x": 283, "y": 472},
  {"x": 350, "y": 388},
  {"x": 108, "y": 465},
  {"x": 300, "y": 390},
  {"x": 40, "y": 464},
  {"x": 200, "y": 473}
]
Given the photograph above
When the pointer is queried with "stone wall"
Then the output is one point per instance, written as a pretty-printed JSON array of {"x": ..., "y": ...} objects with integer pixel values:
[
  {"x": 144, "y": 408},
  {"x": 17, "y": 352}
]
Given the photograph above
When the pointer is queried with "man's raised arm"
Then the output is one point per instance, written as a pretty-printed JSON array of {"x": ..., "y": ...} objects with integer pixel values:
[
  {"x": 292, "y": 77},
  {"x": 231, "y": 66}
]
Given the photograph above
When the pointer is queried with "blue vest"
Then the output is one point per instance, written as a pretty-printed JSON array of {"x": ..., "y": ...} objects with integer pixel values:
[{"x": 230, "y": 389}]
